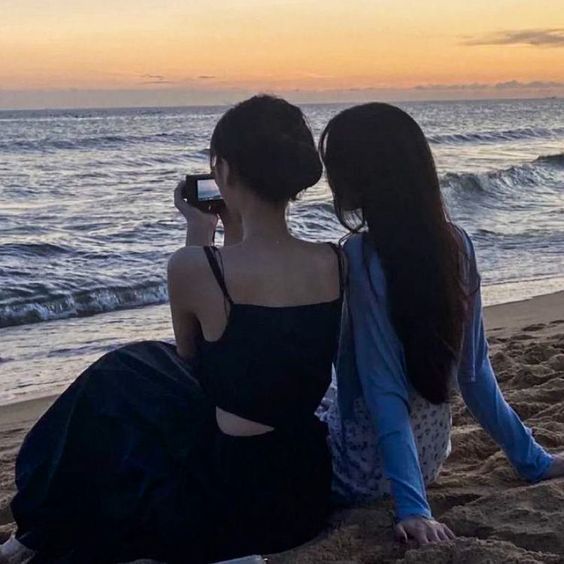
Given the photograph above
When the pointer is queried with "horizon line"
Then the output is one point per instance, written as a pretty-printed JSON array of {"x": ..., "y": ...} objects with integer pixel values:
[{"x": 312, "y": 103}]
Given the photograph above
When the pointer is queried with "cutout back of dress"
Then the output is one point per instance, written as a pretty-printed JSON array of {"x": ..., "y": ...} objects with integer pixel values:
[{"x": 272, "y": 365}]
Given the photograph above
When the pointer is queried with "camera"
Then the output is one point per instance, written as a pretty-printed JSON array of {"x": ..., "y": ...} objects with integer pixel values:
[{"x": 202, "y": 192}]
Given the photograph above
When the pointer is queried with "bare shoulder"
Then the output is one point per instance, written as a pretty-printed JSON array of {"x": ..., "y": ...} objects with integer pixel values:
[
  {"x": 186, "y": 259},
  {"x": 187, "y": 274},
  {"x": 329, "y": 251},
  {"x": 326, "y": 256}
]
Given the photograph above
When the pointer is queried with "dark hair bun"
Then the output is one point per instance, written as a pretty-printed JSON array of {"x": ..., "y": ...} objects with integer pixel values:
[{"x": 268, "y": 143}]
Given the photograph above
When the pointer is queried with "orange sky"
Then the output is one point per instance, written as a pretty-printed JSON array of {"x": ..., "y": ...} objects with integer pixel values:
[{"x": 278, "y": 45}]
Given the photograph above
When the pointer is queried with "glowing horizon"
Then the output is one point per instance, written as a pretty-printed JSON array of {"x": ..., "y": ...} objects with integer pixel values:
[{"x": 453, "y": 49}]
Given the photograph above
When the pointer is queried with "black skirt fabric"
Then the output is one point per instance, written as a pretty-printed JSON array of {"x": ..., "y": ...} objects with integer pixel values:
[{"x": 129, "y": 463}]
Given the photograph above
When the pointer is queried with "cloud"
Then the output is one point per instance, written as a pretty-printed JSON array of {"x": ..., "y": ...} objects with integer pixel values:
[
  {"x": 158, "y": 82},
  {"x": 539, "y": 84},
  {"x": 548, "y": 37},
  {"x": 508, "y": 85},
  {"x": 316, "y": 75},
  {"x": 153, "y": 76},
  {"x": 470, "y": 86},
  {"x": 155, "y": 79}
]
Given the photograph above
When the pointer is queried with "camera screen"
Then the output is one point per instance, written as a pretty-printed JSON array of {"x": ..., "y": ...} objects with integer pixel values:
[{"x": 208, "y": 190}]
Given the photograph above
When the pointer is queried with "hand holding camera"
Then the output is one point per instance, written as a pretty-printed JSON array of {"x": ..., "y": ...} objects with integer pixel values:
[
  {"x": 202, "y": 192},
  {"x": 201, "y": 224}
]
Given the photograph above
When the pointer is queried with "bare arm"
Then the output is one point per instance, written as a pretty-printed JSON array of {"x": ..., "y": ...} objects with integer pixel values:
[{"x": 180, "y": 290}]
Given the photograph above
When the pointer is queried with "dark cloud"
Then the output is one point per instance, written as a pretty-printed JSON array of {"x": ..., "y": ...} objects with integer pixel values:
[
  {"x": 206, "y": 77},
  {"x": 548, "y": 37}
]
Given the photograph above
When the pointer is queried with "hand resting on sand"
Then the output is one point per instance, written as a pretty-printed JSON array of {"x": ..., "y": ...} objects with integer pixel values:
[
  {"x": 422, "y": 530},
  {"x": 426, "y": 531},
  {"x": 556, "y": 469}
]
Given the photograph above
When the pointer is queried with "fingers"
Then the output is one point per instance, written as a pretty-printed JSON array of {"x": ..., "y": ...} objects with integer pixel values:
[
  {"x": 438, "y": 532},
  {"x": 420, "y": 534},
  {"x": 556, "y": 469},
  {"x": 442, "y": 534},
  {"x": 401, "y": 533},
  {"x": 178, "y": 199},
  {"x": 433, "y": 535},
  {"x": 423, "y": 531},
  {"x": 422, "y": 539},
  {"x": 449, "y": 533}
]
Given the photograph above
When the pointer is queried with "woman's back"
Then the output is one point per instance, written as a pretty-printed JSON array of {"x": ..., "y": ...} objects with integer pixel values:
[
  {"x": 270, "y": 363},
  {"x": 289, "y": 273}
]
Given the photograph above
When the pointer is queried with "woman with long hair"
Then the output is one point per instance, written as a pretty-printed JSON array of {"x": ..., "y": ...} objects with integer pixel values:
[
  {"x": 412, "y": 328},
  {"x": 210, "y": 449}
]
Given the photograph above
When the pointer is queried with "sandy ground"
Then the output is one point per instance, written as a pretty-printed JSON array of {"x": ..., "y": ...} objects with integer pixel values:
[{"x": 497, "y": 517}]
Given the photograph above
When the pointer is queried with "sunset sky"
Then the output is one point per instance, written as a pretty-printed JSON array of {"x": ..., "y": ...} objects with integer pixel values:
[{"x": 62, "y": 53}]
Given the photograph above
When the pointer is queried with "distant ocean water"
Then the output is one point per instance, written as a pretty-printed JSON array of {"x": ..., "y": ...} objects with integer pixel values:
[{"x": 87, "y": 221}]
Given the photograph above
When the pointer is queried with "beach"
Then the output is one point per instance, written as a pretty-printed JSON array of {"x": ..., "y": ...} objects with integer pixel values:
[
  {"x": 88, "y": 224},
  {"x": 457, "y": 115},
  {"x": 497, "y": 517}
]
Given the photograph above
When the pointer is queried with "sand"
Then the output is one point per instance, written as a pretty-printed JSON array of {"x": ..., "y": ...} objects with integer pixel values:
[{"x": 497, "y": 516}]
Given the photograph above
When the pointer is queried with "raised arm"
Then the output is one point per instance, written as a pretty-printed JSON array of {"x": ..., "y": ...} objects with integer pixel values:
[
  {"x": 483, "y": 397},
  {"x": 185, "y": 268}
]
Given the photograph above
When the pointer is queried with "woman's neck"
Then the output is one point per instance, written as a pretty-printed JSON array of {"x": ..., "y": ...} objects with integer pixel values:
[{"x": 265, "y": 223}]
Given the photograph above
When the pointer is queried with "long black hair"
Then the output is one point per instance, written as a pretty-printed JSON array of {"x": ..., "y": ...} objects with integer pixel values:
[
  {"x": 269, "y": 146},
  {"x": 383, "y": 177}
]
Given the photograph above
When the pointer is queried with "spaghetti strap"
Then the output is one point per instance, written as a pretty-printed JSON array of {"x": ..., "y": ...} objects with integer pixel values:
[
  {"x": 211, "y": 254},
  {"x": 338, "y": 252}
]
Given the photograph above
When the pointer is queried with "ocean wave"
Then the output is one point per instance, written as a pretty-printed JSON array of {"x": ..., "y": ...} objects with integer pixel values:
[
  {"x": 554, "y": 160},
  {"x": 83, "y": 303},
  {"x": 94, "y": 142},
  {"x": 496, "y": 136},
  {"x": 182, "y": 139},
  {"x": 33, "y": 249},
  {"x": 518, "y": 176}
]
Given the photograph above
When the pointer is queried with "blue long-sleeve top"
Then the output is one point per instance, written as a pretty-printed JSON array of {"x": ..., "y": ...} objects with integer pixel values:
[{"x": 371, "y": 362}]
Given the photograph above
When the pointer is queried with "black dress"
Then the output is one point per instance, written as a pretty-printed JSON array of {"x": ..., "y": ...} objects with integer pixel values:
[{"x": 129, "y": 462}]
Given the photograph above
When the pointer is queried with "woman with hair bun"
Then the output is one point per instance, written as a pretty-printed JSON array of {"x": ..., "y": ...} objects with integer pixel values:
[{"x": 210, "y": 449}]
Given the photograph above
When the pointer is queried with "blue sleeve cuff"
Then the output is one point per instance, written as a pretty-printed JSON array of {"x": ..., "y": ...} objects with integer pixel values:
[
  {"x": 544, "y": 467},
  {"x": 408, "y": 512}
]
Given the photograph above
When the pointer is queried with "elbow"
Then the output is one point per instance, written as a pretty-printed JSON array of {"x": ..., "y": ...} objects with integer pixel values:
[{"x": 184, "y": 354}]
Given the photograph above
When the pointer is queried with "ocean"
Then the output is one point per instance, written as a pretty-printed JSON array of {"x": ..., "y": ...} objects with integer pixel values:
[{"x": 87, "y": 220}]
